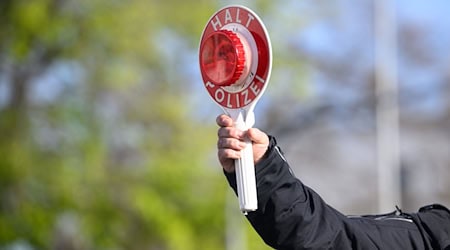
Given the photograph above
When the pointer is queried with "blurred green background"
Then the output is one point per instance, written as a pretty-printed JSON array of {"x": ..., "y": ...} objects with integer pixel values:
[
  {"x": 98, "y": 148},
  {"x": 107, "y": 136}
]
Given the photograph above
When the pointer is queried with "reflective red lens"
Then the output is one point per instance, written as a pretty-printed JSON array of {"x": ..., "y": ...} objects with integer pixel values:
[{"x": 220, "y": 58}]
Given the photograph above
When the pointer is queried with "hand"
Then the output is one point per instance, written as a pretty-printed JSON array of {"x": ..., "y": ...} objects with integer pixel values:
[{"x": 231, "y": 141}]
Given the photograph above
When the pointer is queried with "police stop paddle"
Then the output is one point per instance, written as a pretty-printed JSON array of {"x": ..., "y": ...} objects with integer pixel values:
[{"x": 235, "y": 58}]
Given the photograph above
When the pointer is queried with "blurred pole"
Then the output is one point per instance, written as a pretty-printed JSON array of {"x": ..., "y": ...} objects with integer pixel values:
[
  {"x": 235, "y": 238},
  {"x": 387, "y": 112}
]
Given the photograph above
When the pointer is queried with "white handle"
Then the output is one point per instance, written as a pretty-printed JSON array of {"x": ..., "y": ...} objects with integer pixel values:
[{"x": 245, "y": 172}]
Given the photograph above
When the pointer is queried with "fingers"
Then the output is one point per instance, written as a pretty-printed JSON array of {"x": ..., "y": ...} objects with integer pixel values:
[
  {"x": 230, "y": 132},
  {"x": 227, "y": 131},
  {"x": 229, "y": 149},
  {"x": 230, "y": 143},
  {"x": 224, "y": 121},
  {"x": 227, "y": 154}
]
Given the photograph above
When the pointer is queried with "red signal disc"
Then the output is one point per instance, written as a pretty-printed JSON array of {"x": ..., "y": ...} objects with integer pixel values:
[{"x": 229, "y": 85}]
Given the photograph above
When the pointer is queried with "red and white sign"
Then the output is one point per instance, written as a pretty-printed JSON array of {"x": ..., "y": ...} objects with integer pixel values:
[{"x": 235, "y": 57}]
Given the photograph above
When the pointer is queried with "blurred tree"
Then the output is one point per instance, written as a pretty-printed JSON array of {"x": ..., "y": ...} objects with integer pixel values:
[{"x": 97, "y": 146}]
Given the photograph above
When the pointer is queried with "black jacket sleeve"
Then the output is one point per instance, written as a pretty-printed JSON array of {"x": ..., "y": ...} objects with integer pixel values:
[{"x": 291, "y": 215}]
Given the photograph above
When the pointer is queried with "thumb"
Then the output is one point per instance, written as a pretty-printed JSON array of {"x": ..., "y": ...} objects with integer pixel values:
[
  {"x": 260, "y": 142},
  {"x": 257, "y": 136}
]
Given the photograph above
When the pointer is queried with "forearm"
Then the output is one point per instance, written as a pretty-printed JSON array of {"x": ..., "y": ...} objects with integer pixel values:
[{"x": 289, "y": 214}]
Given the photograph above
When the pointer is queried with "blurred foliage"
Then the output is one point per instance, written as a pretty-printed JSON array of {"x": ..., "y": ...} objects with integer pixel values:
[{"x": 114, "y": 161}]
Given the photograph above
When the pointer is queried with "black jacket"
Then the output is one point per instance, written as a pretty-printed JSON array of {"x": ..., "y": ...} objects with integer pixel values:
[{"x": 291, "y": 215}]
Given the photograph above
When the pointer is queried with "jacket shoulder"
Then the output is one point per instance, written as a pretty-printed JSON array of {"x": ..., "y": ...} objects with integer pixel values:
[{"x": 434, "y": 219}]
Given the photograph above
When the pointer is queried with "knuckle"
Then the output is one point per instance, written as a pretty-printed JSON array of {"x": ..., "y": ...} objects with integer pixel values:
[
  {"x": 236, "y": 144},
  {"x": 230, "y": 154},
  {"x": 219, "y": 143},
  {"x": 229, "y": 132},
  {"x": 222, "y": 132}
]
